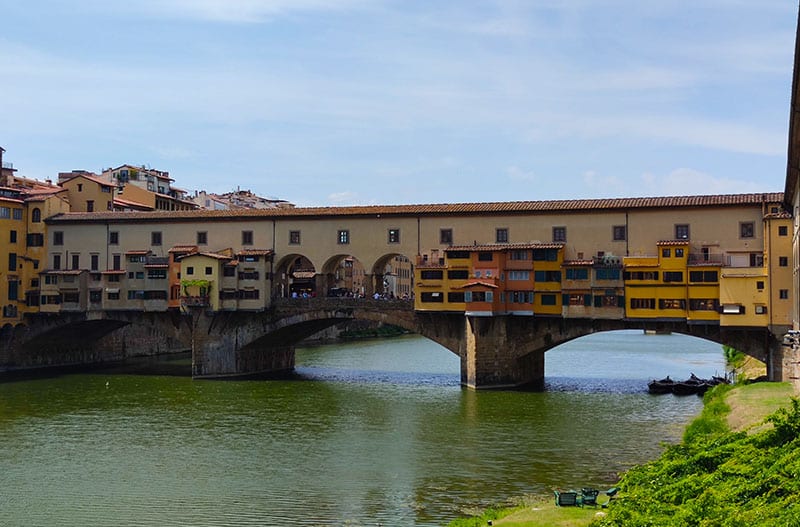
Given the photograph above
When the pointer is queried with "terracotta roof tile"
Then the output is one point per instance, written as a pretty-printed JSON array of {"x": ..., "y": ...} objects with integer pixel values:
[
  {"x": 511, "y": 207},
  {"x": 183, "y": 248},
  {"x": 254, "y": 252},
  {"x": 574, "y": 263},
  {"x": 661, "y": 243},
  {"x": 503, "y": 247}
]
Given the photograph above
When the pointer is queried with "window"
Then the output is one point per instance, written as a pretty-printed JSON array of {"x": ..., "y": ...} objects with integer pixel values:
[
  {"x": 665, "y": 253},
  {"x": 682, "y": 231},
  {"x": 703, "y": 304},
  {"x": 673, "y": 276},
  {"x": 17, "y": 213},
  {"x": 58, "y": 237},
  {"x": 229, "y": 270},
  {"x": 501, "y": 235},
  {"x": 458, "y": 255},
  {"x": 36, "y": 216},
  {"x": 559, "y": 234},
  {"x": 606, "y": 274},
  {"x": 519, "y": 275},
  {"x": 190, "y": 270},
  {"x": 294, "y": 237},
  {"x": 784, "y": 294},
  {"x": 56, "y": 261},
  {"x": 679, "y": 252},
  {"x": 155, "y": 238},
  {"x": 577, "y": 274},
  {"x": 94, "y": 262},
  {"x": 113, "y": 295},
  {"x": 95, "y": 296},
  {"x": 783, "y": 230},
  {"x": 35, "y": 239},
  {"x": 446, "y": 236},
  {"x": 117, "y": 262},
  {"x": 455, "y": 297},
  {"x": 248, "y": 274},
  {"x": 485, "y": 256},
  {"x": 394, "y": 235},
  {"x": 343, "y": 237},
  {"x": 458, "y": 274},
  {"x": 545, "y": 255},
  {"x": 760, "y": 285},
  {"x": 428, "y": 274},
  {"x": 548, "y": 300},
  {"x": 783, "y": 261},
  {"x": 643, "y": 303},
  {"x": 113, "y": 238},
  {"x": 432, "y": 296},
  {"x": 12, "y": 262},
  {"x": 672, "y": 303},
  {"x": 704, "y": 276},
  {"x": 619, "y": 233},
  {"x": 76, "y": 261},
  {"x": 640, "y": 275},
  {"x": 747, "y": 229},
  {"x": 756, "y": 260},
  {"x": 547, "y": 276},
  {"x": 520, "y": 255},
  {"x": 202, "y": 237},
  {"x": 156, "y": 274},
  {"x": 89, "y": 205},
  {"x": 247, "y": 237},
  {"x": 209, "y": 270}
]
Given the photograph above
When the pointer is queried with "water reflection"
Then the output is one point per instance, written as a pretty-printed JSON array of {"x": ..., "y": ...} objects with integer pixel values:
[{"x": 373, "y": 432}]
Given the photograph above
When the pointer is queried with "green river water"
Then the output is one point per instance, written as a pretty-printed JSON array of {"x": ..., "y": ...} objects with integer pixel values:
[{"x": 367, "y": 433}]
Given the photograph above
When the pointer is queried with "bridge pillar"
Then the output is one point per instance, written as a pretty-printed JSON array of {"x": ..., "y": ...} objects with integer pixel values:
[
  {"x": 492, "y": 358},
  {"x": 217, "y": 349}
]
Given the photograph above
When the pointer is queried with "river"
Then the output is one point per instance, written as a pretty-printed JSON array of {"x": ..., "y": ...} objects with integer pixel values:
[{"x": 367, "y": 433}]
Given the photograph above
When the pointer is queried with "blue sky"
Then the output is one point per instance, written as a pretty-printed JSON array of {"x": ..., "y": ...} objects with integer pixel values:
[{"x": 355, "y": 102}]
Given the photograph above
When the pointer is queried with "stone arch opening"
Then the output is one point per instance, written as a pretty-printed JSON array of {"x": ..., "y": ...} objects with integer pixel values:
[
  {"x": 344, "y": 275},
  {"x": 295, "y": 276},
  {"x": 393, "y": 276}
]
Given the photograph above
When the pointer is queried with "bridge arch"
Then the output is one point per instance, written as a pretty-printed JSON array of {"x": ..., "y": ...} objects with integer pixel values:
[
  {"x": 293, "y": 273},
  {"x": 393, "y": 275}
]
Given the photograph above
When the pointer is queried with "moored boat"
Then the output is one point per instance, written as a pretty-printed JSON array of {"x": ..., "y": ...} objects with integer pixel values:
[{"x": 661, "y": 386}]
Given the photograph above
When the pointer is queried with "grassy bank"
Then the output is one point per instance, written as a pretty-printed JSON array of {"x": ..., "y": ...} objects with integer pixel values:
[{"x": 738, "y": 465}]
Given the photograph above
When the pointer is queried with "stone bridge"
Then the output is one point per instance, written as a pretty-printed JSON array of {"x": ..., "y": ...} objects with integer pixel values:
[{"x": 495, "y": 352}]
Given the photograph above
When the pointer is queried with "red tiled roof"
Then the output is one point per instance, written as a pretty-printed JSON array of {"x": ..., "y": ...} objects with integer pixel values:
[
  {"x": 503, "y": 247},
  {"x": 574, "y": 263},
  {"x": 661, "y": 243},
  {"x": 183, "y": 248},
  {"x": 139, "y": 252},
  {"x": 216, "y": 256},
  {"x": 511, "y": 207},
  {"x": 113, "y": 271},
  {"x": 254, "y": 252},
  {"x": 477, "y": 283}
]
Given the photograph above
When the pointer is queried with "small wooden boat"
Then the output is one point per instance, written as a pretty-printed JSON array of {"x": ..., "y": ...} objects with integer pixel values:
[
  {"x": 694, "y": 385},
  {"x": 661, "y": 386}
]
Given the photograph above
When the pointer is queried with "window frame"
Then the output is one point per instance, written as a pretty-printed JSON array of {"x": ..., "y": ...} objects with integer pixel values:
[
  {"x": 559, "y": 234},
  {"x": 343, "y": 237},
  {"x": 747, "y": 229}
]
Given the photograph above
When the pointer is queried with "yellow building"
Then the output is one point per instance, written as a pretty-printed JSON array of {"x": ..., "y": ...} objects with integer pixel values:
[
  {"x": 12, "y": 250},
  {"x": 88, "y": 193}
]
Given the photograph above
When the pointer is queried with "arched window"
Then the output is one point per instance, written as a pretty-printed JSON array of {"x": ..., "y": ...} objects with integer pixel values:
[{"x": 36, "y": 216}]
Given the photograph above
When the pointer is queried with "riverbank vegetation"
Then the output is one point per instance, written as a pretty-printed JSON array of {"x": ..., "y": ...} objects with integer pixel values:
[{"x": 738, "y": 465}]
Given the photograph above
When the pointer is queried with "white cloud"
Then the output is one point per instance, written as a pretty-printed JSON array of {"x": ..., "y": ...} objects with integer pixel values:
[
  {"x": 346, "y": 197},
  {"x": 246, "y": 11},
  {"x": 517, "y": 174}
]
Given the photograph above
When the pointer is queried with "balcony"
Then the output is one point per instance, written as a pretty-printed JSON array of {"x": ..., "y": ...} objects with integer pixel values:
[
  {"x": 195, "y": 301},
  {"x": 710, "y": 259}
]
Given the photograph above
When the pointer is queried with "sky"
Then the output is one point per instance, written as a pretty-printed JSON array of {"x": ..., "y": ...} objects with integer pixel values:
[{"x": 361, "y": 102}]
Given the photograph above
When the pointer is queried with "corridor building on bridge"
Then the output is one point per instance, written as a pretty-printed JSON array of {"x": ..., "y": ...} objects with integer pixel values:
[{"x": 704, "y": 259}]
